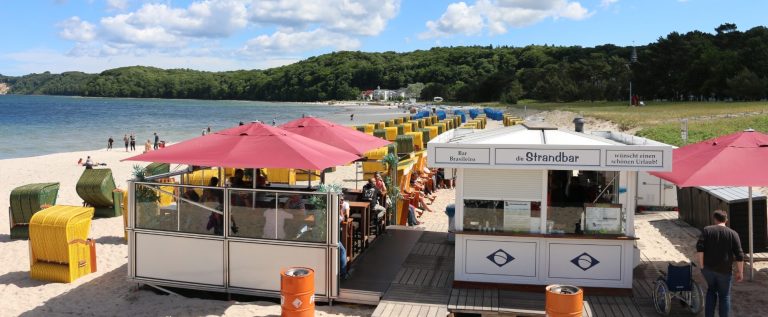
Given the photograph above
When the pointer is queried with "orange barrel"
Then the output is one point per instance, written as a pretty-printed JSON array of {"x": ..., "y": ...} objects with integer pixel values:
[
  {"x": 297, "y": 292},
  {"x": 564, "y": 301}
]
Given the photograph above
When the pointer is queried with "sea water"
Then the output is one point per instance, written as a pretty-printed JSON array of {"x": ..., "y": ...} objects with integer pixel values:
[{"x": 38, "y": 125}]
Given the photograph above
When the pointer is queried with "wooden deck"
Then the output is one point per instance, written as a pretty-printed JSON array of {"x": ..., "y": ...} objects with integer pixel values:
[{"x": 423, "y": 287}]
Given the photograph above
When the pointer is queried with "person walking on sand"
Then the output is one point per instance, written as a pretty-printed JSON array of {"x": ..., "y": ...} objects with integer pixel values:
[
  {"x": 109, "y": 143},
  {"x": 208, "y": 131},
  {"x": 351, "y": 117},
  {"x": 203, "y": 132},
  {"x": 125, "y": 139},
  {"x": 133, "y": 142},
  {"x": 147, "y": 146},
  {"x": 716, "y": 250},
  {"x": 157, "y": 141},
  {"x": 274, "y": 121}
]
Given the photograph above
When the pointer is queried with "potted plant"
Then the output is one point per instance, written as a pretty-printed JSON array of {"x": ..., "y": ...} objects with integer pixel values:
[
  {"x": 147, "y": 201},
  {"x": 320, "y": 202}
]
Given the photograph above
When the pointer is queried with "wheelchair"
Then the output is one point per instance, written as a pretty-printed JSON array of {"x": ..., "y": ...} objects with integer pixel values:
[{"x": 677, "y": 283}]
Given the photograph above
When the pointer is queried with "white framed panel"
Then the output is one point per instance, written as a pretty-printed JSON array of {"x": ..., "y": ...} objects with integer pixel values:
[
  {"x": 585, "y": 261},
  {"x": 502, "y": 184},
  {"x": 181, "y": 259},
  {"x": 497, "y": 259},
  {"x": 504, "y": 258},
  {"x": 257, "y": 265}
]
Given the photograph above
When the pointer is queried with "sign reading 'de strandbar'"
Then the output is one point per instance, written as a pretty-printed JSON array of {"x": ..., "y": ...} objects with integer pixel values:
[{"x": 562, "y": 157}]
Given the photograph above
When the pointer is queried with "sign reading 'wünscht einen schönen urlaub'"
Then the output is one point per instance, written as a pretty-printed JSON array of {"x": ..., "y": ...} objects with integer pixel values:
[{"x": 634, "y": 158}]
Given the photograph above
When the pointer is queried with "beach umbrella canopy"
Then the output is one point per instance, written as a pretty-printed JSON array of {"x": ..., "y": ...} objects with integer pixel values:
[
  {"x": 732, "y": 160},
  {"x": 339, "y": 136},
  {"x": 253, "y": 145}
]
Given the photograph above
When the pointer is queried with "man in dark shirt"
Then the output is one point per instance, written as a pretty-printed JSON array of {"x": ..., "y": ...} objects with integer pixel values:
[{"x": 718, "y": 247}]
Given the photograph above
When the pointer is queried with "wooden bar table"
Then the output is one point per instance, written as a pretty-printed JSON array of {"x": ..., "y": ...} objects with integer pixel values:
[{"x": 364, "y": 208}]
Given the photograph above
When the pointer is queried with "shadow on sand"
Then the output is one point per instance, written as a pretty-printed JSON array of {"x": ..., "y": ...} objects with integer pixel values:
[
  {"x": 111, "y": 240},
  {"x": 19, "y": 278}
]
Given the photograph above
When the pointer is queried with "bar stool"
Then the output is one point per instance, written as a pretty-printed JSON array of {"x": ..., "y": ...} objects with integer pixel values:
[{"x": 357, "y": 233}]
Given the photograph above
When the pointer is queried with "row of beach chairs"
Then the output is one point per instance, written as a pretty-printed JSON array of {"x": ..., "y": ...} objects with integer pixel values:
[{"x": 60, "y": 250}]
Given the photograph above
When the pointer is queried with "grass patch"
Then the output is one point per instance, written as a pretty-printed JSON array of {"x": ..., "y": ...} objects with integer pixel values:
[
  {"x": 655, "y": 113},
  {"x": 704, "y": 129}
]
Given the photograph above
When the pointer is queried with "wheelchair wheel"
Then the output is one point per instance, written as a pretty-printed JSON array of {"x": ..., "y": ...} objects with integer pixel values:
[
  {"x": 661, "y": 297},
  {"x": 696, "y": 300}
]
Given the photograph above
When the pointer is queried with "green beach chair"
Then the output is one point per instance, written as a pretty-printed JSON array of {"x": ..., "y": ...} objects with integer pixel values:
[
  {"x": 157, "y": 169},
  {"x": 25, "y": 202},
  {"x": 97, "y": 189}
]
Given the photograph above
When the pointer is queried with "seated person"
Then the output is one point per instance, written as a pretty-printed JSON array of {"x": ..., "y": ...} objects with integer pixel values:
[
  {"x": 440, "y": 178},
  {"x": 372, "y": 195},
  {"x": 213, "y": 195},
  {"x": 237, "y": 180},
  {"x": 88, "y": 163},
  {"x": 382, "y": 188},
  {"x": 343, "y": 258},
  {"x": 191, "y": 194},
  {"x": 412, "y": 211},
  {"x": 294, "y": 202},
  {"x": 274, "y": 224}
]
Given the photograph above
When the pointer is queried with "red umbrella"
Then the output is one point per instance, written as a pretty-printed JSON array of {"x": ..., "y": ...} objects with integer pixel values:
[
  {"x": 340, "y": 136},
  {"x": 733, "y": 160},
  {"x": 252, "y": 145}
]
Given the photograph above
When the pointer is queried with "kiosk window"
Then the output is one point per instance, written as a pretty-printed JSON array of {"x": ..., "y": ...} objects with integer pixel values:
[
  {"x": 573, "y": 198},
  {"x": 502, "y": 216}
]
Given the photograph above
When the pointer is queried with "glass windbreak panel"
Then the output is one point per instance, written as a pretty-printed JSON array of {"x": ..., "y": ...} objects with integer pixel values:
[
  {"x": 301, "y": 217},
  {"x": 569, "y": 193},
  {"x": 179, "y": 208},
  {"x": 502, "y": 216},
  {"x": 249, "y": 210}
]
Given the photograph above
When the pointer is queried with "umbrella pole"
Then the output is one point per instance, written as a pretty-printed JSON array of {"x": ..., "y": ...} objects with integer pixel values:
[
  {"x": 356, "y": 174},
  {"x": 751, "y": 249}
]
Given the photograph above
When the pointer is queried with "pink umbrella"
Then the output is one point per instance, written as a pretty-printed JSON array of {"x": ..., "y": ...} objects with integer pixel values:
[
  {"x": 737, "y": 159},
  {"x": 254, "y": 145},
  {"x": 340, "y": 136}
]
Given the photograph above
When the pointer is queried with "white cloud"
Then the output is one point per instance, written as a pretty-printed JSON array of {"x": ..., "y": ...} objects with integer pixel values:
[
  {"x": 117, "y": 5},
  {"x": 608, "y": 3},
  {"x": 299, "y": 41},
  {"x": 162, "y": 28},
  {"x": 37, "y": 61},
  {"x": 459, "y": 18},
  {"x": 362, "y": 17},
  {"x": 498, "y": 15},
  {"x": 77, "y": 30}
]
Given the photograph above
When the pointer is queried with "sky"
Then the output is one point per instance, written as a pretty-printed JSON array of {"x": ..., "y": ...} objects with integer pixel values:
[{"x": 219, "y": 35}]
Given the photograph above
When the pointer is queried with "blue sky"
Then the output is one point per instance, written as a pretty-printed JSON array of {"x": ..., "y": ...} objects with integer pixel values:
[{"x": 215, "y": 35}]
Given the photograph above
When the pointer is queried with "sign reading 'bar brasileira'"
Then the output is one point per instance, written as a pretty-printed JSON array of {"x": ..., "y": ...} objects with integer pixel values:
[
  {"x": 564, "y": 157},
  {"x": 462, "y": 156}
]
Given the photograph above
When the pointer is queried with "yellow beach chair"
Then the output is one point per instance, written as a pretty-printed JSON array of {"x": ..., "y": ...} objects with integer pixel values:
[{"x": 59, "y": 250}]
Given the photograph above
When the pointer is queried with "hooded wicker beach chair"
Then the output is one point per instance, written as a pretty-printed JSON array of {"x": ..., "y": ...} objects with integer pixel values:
[
  {"x": 97, "y": 189},
  {"x": 25, "y": 201},
  {"x": 59, "y": 250}
]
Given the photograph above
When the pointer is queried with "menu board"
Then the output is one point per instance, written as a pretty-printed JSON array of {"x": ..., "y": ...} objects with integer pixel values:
[
  {"x": 517, "y": 215},
  {"x": 603, "y": 218}
]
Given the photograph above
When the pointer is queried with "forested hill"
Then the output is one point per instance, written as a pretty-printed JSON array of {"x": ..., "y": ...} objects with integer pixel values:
[{"x": 725, "y": 64}]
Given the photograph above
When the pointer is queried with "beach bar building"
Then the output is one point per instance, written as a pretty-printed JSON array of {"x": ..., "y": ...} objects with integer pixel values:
[
  {"x": 235, "y": 239},
  {"x": 536, "y": 205}
]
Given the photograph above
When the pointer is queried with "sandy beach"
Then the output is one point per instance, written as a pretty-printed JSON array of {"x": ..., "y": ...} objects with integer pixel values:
[{"x": 108, "y": 293}]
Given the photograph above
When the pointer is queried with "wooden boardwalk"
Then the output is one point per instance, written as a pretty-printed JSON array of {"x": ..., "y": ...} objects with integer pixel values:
[{"x": 422, "y": 287}]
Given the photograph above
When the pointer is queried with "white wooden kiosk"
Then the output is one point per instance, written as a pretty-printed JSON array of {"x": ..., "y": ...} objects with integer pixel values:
[{"x": 536, "y": 205}]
